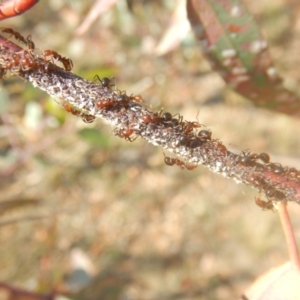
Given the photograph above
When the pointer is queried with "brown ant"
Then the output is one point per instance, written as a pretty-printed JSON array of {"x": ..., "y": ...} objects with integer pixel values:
[
  {"x": 105, "y": 103},
  {"x": 276, "y": 168},
  {"x": 27, "y": 62},
  {"x": 122, "y": 98},
  {"x": 221, "y": 148},
  {"x": 190, "y": 167},
  {"x": 26, "y": 41},
  {"x": 15, "y": 62},
  {"x": 292, "y": 173},
  {"x": 136, "y": 98},
  {"x": 21, "y": 62},
  {"x": 274, "y": 194},
  {"x": 125, "y": 133},
  {"x": 182, "y": 141},
  {"x": 75, "y": 112},
  {"x": 67, "y": 107},
  {"x": 155, "y": 118},
  {"x": 48, "y": 67},
  {"x": 257, "y": 181},
  {"x": 248, "y": 158},
  {"x": 85, "y": 118},
  {"x": 194, "y": 142},
  {"x": 88, "y": 118},
  {"x": 67, "y": 62},
  {"x": 204, "y": 135},
  {"x": 169, "y": 161},
  {"x": 189, "y": 126},
  {"x": 167, "y": 116},
  {"x": 158, "y": 117},
  {"x": 264, "y": 157},
  {"x": 265, "y": 205}
]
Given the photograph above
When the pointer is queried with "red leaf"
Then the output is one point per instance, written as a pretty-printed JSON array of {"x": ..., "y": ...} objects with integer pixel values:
[
  {"x": 12, "y": 8},
  {"x": 231, "y": 41}
]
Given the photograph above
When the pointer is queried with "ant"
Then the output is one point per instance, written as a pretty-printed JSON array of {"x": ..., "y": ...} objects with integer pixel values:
[
  {"x": 67, "y": 62},
  {"x": 194, "y": 142},
  {"x": 88, "y": 118},
  {"x": 292, "y": 173},
  {"x": 264, "y": 157},
  {"x": 221, "y": 148},
  {"x": 85, "y": 118},
  {"x": 69, "y": 108},
  {"x": 104, "y": 103},
  {"x": 248, "y": 158},
  {"x": 182, "y": 141},
  {"x": 276, "y": 168},
  {"x": 125, "y": 133},
  {"x": 204, "y": 135},
  {"x": 155, "y": 118},
  {"x": 169, "y": 161},
  {"x": 136, "y": 98},
  {"x": 190, "y": 167},
  {"x": 106, "y": 82},
  {"x": 158, "y": 117},
  {"x": 189, "y": 126},
  {"x": 48, "y": 67},
  {"x": 265, "y": 205},
  {"x": 21, "y": 62},
  {"x": 256, "y": 180},
  {"x": 117, "y": 98},
  {"x": 15, "y": 62},
  {"x": 274, "y": 194},
  {"x": 167, "y": 117},
  {"x": 122, "y": 98},
  {"x": 26, "y": 41},
  {"x": 27, "y": 62}
]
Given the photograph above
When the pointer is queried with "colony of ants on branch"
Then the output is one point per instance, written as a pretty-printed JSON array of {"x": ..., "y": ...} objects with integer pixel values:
[
  {"x": 190, "y": 135},
  {"x": 27, "y": 62}
]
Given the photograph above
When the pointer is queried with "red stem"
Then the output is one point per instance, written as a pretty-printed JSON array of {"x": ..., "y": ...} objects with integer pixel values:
[{"x": 289, "y": 234}]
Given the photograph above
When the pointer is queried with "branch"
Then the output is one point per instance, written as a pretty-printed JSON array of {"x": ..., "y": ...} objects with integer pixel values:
[
  {"x": 132, "y": 117},
  {"x": 289, "y": 235}
]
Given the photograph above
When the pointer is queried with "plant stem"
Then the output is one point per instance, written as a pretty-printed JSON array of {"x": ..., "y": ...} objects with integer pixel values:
[
  {"x": 289, "y": 234},
  {"x": 133, "y": 117}
]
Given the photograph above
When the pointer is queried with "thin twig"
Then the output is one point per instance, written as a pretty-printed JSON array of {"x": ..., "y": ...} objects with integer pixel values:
[
  {"x": 132, "y": 117},
  {"x": 289, "y": 234}
]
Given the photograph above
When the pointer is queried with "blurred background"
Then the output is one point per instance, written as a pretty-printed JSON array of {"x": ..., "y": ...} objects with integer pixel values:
[{"x": 85, "y": 213}]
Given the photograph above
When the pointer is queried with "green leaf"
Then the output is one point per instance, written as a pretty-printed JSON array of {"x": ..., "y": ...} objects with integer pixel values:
[{"x": 94, "y": 137}]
